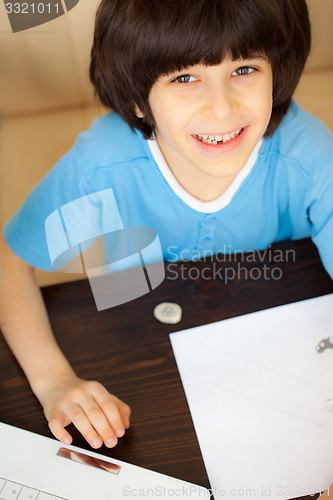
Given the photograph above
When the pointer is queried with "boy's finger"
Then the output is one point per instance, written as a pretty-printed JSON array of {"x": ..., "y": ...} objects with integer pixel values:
[
  {"x": 102, "y": 423},
  {"x": 125, "y": 413},
  {"x": 111, "y": 412},
  {"x": 116, "y": 411},
  {"x": 83, "y": 425},
  {"x": 123, "y": 407},
  {"x": 126, "y": 420},
  {"x": 56, "y": 426},
  {"x": 108, "y": 405}
]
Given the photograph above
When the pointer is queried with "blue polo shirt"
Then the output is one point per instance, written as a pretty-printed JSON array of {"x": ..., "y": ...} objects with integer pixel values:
[{"x": 286, "y": 193}]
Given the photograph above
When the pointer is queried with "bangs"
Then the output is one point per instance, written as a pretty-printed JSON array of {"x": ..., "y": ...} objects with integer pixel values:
[{"x": 183, "y": 33}]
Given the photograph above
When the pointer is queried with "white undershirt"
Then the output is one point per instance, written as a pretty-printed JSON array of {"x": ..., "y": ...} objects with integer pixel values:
[{"x": 198, "y": 205}]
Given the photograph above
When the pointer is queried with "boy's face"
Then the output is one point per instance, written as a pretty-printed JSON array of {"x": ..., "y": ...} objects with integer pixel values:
[{"x": 231, "y": 102}]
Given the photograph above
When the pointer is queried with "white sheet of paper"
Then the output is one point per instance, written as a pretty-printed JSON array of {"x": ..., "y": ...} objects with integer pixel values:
[{"x": 261, "y": 399}]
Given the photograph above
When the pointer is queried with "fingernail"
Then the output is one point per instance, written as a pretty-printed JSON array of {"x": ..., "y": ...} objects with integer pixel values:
[
  {"x": 111, "y": 442},
  {"x": 120, "y": 432},
  {"x": 96, "y": 443}
]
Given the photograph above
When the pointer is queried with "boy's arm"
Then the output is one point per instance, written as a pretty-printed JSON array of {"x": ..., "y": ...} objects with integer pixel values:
[{"x": 65, "y": 398}]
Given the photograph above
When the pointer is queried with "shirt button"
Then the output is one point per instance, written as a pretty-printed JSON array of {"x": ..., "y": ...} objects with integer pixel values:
[
  {"x": 211, "y": 222},
  {"x": 206, "y": 242}
]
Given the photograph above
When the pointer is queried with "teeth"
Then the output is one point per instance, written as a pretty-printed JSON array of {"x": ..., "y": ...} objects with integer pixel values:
[{"x": 215, "y": 139}]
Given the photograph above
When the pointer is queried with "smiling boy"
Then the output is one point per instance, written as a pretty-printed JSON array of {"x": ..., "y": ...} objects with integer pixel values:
[
  {"x": 209, "y": 121},
  {"x": 204, "y": 144}
]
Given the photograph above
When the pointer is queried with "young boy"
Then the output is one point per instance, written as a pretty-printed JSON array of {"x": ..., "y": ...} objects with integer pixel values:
[{"x": 204, "y": 145}]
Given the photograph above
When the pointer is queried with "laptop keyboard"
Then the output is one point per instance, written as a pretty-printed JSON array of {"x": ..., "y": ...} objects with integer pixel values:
[{"x": 16, "y": 491}]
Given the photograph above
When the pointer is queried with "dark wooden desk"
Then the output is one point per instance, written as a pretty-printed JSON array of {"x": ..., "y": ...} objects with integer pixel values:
[{"x": 128, "y": 351}]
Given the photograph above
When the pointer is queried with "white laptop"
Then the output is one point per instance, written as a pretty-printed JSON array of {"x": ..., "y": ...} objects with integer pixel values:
[{"x": 34, "y": 467}]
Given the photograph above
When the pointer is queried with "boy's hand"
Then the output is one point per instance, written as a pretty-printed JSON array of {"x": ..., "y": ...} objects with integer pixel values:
[{"x": 97, "y": 414}]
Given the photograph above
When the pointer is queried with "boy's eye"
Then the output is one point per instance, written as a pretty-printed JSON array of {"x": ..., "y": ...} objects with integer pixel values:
[
  {"x": 184, "y": 79},
  {"x": 244, "y": 70}
]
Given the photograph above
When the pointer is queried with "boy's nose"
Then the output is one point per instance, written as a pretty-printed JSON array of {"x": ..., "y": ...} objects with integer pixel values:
[{"x": 220, "y": 102}]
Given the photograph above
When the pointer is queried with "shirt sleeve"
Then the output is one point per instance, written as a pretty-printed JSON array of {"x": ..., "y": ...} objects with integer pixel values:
[
  {"x": 320, "y": 214},
  {"x": 25, "y": 232},
  {"x": 70, "y": 209}
]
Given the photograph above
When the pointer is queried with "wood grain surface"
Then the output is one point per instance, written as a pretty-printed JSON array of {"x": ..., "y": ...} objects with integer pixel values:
[{"x": 128, "y": 350}]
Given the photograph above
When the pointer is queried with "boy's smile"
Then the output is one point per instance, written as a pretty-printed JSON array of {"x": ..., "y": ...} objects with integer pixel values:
[
  {"x": 209, "y": 119},
  {"x": 218, "y": 139}
]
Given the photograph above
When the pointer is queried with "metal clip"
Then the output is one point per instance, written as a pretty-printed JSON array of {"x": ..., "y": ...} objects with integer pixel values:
[{"x": 324, "y": 344}]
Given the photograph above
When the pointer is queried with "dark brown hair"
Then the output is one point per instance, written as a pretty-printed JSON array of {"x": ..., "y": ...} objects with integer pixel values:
[{"x": 137, "y": 41}]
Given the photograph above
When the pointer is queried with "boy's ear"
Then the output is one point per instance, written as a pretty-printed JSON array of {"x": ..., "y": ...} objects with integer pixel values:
[{"x": 138, "y": 111}]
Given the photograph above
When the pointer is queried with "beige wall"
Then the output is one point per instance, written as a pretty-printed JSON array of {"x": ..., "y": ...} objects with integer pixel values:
[
  {"x": 46, "y": 98},
  {"x": 321, "y": 58},
  {"x": 47, "y": 66},
  {"x": 314, "y": 92}
]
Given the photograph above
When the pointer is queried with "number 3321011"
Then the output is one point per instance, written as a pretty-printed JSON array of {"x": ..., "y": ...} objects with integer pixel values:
[{"x": 31, "y": 8}]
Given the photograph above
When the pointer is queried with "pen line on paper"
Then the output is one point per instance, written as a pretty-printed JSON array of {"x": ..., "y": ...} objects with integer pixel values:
[
  {"x": 220, "y": 386},
  {"x": 255, "y": 363}
]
